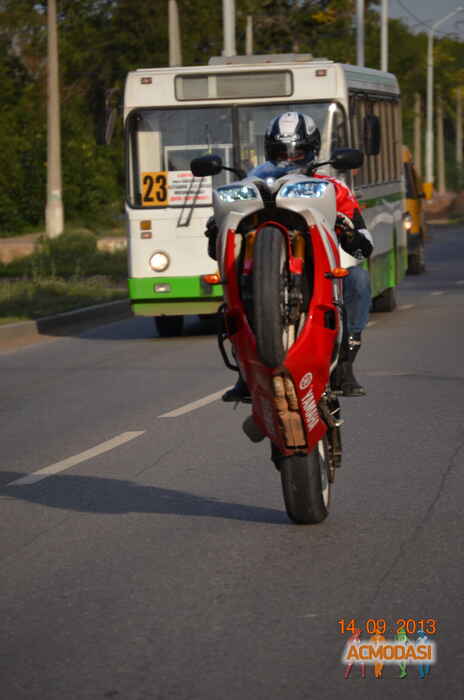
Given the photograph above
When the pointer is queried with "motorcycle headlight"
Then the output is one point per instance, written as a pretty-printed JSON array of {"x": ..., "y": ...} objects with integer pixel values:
[
  {"x": 159, "y": 261},
  {"x": 235, "y": 193},
  {"x": 303, "y": 189}
]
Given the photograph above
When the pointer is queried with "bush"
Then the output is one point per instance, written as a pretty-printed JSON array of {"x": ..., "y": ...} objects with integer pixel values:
[
  {"x": 70, "y": 256},
  {"x": 27, "y": 299}
]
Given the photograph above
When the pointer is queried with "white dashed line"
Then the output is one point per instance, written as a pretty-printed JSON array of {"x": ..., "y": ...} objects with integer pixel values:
[
  {"x": 436, "y": 294},
  {"x": 195, "y": 404},
  {"x": 371, "y": 323},
  {"x": 76, "y": 459},
  {"x": 406, "y": 307}
]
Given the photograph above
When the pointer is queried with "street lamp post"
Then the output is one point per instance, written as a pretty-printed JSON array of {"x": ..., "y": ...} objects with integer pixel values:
[
  {"x": 384, "y": 35},
  {"x": 360, "y": 32},
  {"x": 428, "y": 184},
  {"x": 228, "y": 23}
]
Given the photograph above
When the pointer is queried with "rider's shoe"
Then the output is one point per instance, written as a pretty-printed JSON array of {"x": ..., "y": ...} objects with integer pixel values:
[
  {"x": 344, "y": 383},
  {"x": 239, "y": 392},
  {"x": 349, "y": 384}
]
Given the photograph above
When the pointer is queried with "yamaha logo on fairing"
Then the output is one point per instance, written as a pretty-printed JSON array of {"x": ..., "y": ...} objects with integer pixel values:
[
  {"x": 311, "y": 413},
  {"x": 306, "y": 380}
]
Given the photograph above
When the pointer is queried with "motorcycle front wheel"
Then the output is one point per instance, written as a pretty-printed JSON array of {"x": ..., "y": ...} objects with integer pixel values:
[
  {"x": 270, "y": 297},
  {"x": 306, "y": 485}
]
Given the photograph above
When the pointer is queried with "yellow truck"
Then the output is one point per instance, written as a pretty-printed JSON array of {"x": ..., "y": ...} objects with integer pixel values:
[{"x": 413, "y": 217}]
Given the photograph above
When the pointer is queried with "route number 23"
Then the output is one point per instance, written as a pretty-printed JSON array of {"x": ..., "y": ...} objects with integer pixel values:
[{"x": 155, "y": 189}]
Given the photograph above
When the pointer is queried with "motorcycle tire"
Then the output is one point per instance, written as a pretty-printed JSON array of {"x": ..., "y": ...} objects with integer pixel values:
[
  {"x": 306, "y": 484},
  {"x": 269, "y": 258}
]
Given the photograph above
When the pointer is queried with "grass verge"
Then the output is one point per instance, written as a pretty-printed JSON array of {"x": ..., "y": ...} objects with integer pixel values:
[{"x": 22, "y": 300}]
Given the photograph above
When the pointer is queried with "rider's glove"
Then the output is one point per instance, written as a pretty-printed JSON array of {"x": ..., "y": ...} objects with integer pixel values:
[
  {"x": 356, "y": 244},
  {"x": 211, "y": 233},
  {"x": 344, "y": 222},
  {"x": 354, "y": 241}
]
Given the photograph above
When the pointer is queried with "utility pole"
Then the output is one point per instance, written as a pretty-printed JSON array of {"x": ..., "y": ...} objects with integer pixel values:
[
  {"x": 428, "y": 184},
  {"x": 228, "y": 23},
  {"x": 54, "y": 217},
  {"x": 384, "y": 36},
  {"x": 175, "y": 50},
  {"x": 440, "y": 147},
  {"x": 360, "y": 32},
  {"x": 249, "y": 36},
  {"x": 418, "y": 132},
  {"x": 459, "y": 133}
]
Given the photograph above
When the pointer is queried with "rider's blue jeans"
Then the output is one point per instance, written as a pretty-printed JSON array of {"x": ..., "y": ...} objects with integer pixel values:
[{"x": 357, "y": 298}]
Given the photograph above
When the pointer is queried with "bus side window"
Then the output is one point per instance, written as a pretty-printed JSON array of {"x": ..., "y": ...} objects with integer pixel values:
[
  {"x": 356, "y": 117},
  {"x": 398, "y": 139},
  {"x": 388, "y": 168},
  {"x": 338, "y": 137}
]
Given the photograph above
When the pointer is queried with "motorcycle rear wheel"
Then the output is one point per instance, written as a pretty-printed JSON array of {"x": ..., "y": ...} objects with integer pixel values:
[
  {"x": 269, "y": 290},
  {"x": 306, "y": 485}
]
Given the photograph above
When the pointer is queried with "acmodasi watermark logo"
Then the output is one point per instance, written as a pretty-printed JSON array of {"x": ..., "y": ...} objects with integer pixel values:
[
  {"x": 389, "y": 651},
  {"x": 377, "y": 650}
]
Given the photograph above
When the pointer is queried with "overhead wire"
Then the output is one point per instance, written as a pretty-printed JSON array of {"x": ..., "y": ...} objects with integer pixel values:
[{"x": 421, "y": 22}]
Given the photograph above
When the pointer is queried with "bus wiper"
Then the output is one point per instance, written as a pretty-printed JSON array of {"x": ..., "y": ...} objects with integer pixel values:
[{"x": 180, "y": 223}]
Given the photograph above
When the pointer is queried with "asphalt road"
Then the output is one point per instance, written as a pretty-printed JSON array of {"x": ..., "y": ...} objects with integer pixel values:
[{"x": 161, "y": 564}]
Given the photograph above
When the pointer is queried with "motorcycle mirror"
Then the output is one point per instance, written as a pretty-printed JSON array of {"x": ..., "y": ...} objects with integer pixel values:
[
  {"x": 346, "y": 159},
  {"x": 206, "y": 165}
]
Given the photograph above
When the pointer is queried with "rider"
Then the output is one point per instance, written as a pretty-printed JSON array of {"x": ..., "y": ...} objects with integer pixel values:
[{"x": 292, "y": 142}]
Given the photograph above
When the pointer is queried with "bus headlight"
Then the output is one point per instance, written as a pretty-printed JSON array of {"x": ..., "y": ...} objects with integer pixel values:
[
  {"x": 407, "y": 221},
  {"x": 159, "y": 261}
]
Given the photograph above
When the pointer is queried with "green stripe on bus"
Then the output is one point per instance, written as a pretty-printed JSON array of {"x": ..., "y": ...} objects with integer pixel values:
[
  {"x": 378, "y": 201},
  {"x": 178, "y": 288},
  {"x": 382, "y": 272},
  {"x": 387, "y": 270}
]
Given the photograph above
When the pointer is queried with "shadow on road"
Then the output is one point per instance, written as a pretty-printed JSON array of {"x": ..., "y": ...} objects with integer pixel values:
[
  {"x": 140, "y": 328},
  {"x": 88, "y": 494}
]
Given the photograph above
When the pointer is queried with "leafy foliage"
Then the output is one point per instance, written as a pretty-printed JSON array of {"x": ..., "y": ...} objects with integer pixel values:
[
  {"x": 101, "y": 40},
  {"x": 23, "y": 299},
  {"x": 68, "y": 257}
]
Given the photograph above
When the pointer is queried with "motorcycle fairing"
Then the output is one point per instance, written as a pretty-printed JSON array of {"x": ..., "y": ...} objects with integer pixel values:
[{"x": 308, "y": 372}]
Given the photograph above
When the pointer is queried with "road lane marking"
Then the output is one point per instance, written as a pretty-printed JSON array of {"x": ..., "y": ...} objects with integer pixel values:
[
  {"x": 193, "y": 405},
  {"x": 406, "y": 307},
  {"x": 371, "y": 323},
  {"x": 436, "y": 294},
  {"x": 76, "y": 459}
]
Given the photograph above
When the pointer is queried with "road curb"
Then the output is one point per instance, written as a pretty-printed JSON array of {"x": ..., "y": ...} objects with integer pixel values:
[{"x": 110, "y": 311}]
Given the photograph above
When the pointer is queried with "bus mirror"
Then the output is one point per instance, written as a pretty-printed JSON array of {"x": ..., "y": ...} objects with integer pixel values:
[
  {"x": 206, "y": 165},
  {"x": 109, "y": 114},
  {"x": 346, "y": 159},
  {"x": 371, "y": 135}
]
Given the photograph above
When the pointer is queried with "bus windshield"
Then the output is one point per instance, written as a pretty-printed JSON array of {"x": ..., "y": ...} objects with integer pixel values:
[
  {"x": 164, "y": 141},
  {"x": 254, "y": 120}
]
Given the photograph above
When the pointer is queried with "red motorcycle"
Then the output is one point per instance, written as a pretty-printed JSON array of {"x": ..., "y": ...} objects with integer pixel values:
[{"x": 279, "y": 261}]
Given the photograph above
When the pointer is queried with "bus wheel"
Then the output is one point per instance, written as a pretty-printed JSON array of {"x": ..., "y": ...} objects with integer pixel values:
[
  {"x": 169, "y": 325},
  {"x": 385, "y": 301}
]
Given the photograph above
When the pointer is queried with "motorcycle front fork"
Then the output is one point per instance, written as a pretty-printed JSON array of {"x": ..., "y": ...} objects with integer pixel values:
[{"x": 329, "y": 407}]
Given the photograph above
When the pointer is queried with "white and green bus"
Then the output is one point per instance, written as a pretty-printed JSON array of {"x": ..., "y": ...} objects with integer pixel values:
[{"x": 174, "y": 114}]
